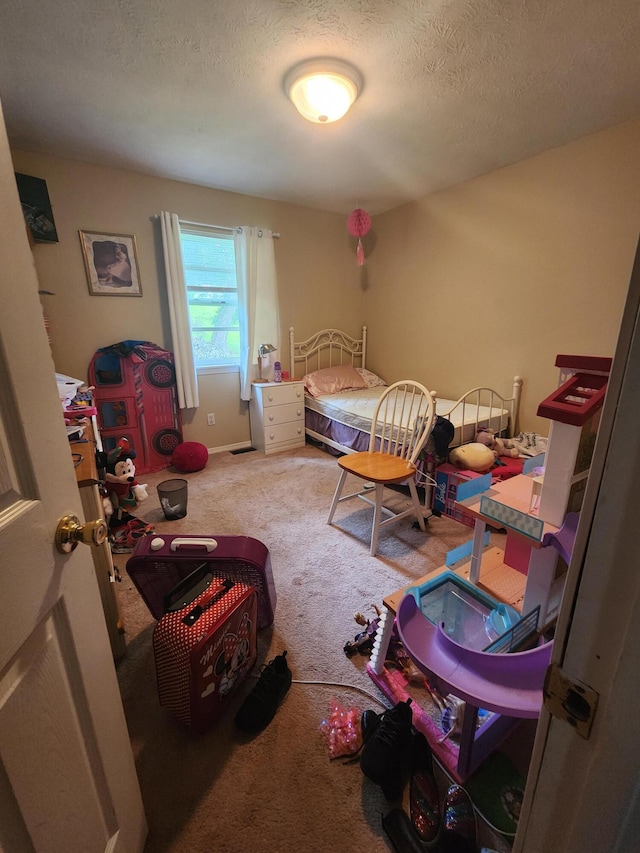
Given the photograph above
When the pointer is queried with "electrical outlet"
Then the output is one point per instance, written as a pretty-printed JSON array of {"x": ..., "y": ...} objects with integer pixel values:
[{"x": 211, "y": 419}]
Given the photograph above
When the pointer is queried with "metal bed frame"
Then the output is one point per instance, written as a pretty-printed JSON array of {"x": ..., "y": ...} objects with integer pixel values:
[{"x": 333, "y": 347}]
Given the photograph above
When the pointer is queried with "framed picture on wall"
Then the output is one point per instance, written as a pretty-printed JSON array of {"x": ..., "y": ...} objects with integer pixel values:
[
  {"x": 36, "y": 208},
  {"x": 111, "y": 262}
]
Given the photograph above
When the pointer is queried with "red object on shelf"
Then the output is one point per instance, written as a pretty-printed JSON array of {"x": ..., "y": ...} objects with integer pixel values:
[{"x": 576, "y": 401}]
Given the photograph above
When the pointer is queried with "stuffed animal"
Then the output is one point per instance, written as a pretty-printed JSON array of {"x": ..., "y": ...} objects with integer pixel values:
[
  {"x": 500, "y": 446},
  {"x": 473, "y": 457},
  {"x": 122, "y": 488}
]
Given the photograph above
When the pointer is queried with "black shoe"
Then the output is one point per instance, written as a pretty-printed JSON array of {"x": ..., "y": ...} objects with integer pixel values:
[
  {"x": 386, "y": 750},
  {"x": 368, "y": 723},
  {"x": 261, "y": 704}
]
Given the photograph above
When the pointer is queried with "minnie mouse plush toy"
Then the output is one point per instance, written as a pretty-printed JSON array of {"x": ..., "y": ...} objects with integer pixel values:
[{"x": 123, "y": 489}]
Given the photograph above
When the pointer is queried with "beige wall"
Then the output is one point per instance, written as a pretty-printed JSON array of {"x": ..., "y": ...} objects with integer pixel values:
[
  {"x": 314, "y": 257},
  {"x": 497, "y": 276},
  {"x": 472, "y": 285}
]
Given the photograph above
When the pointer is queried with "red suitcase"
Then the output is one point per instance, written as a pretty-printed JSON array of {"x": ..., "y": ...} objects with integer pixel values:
[
  {"x": 159, "y": 562},
  {"x": 204, "y": 646}
]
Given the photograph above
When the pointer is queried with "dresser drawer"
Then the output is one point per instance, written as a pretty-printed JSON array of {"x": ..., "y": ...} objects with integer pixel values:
[
  {"x": 279, "y": 395},
  {"x": 290, "y": 434},
  {"x": 281, "y": 414}
]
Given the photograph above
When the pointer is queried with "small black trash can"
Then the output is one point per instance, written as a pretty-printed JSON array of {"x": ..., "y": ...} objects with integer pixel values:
[{"x": 173, "y": 498}]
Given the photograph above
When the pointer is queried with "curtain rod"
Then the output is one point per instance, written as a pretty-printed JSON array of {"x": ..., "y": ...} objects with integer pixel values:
[{"x": 276, "y": 234}]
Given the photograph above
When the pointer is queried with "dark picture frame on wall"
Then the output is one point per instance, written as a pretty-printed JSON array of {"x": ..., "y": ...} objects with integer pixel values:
[
  {"x": 36, "y": 208},
  {"x": 111, "y": 263}
]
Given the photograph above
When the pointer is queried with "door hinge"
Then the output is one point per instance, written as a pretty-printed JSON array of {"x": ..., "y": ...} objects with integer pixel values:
[{"x": 570, "y": 700}]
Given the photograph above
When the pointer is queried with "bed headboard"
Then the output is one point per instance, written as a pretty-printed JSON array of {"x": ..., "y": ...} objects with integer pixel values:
[{"x": 327, "y": 348}]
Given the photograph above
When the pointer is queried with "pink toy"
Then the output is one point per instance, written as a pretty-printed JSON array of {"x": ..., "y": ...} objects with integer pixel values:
[
  {"x": 358, "y": 224},
  {"x": 342, "y": 730}
]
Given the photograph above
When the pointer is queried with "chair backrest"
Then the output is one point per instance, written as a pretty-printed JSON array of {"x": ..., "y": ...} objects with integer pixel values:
[{"x": 403, "y": 420}]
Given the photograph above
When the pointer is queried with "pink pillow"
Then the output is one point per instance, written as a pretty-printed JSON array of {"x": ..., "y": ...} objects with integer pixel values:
[{"x": 331, "y": 380}]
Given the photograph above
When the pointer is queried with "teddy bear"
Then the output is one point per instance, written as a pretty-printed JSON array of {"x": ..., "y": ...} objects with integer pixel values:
[
  {"x": 124, "y": 491},
  {"x": 500, "y": 446}
]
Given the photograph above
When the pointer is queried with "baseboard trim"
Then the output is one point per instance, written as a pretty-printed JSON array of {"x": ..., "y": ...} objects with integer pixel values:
[{"x": 242, "y": 445}]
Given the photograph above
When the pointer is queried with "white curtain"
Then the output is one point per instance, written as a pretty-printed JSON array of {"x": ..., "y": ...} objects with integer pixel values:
[
  {"x": 186, "y": 377},
  {"x": 257, "y": 298}
]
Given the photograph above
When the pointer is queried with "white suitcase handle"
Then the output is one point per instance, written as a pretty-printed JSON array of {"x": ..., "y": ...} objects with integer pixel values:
[{"x": 209, "y": 544}]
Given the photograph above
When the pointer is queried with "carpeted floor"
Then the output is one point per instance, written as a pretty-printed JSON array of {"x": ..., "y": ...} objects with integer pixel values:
[{"x": 278, "y": 792}]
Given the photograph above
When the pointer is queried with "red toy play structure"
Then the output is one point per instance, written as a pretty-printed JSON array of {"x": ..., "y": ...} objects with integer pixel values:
[{"x": 136, "y": 398}]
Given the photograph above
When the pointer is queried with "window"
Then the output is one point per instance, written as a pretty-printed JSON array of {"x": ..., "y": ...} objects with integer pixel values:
[{"x": 212, "y": 293}]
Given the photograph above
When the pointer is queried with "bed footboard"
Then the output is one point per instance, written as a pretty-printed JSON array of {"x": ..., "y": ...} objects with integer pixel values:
[{"x": 485, "y": 407}]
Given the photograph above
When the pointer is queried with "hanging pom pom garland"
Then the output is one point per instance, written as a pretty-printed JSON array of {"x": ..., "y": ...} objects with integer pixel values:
[{"x": 358, "y": 224}]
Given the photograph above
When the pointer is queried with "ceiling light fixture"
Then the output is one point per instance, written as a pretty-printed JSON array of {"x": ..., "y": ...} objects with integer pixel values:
[{"x": 323, "y": 90}]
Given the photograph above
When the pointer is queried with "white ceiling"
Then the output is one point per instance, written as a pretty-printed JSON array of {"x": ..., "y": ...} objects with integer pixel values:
[{"x": 193, "y": 89}]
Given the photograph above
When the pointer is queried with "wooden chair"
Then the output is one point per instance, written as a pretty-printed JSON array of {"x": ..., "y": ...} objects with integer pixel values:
[{"x": 401, "y": 426}]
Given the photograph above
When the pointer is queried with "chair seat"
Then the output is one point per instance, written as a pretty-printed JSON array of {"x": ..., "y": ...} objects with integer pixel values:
[
  {"x": 378, "y": 467},
  {"x": 400, "y": 428}
]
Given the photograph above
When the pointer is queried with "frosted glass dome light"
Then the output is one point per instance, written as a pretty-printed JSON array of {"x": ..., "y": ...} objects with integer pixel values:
[{"x": 323, "y": 90}]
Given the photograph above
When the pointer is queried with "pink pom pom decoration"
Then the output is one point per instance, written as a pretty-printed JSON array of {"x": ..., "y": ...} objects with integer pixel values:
[
  {"x": 342, "y": 730},
  {"x": 359, "y": 222}
]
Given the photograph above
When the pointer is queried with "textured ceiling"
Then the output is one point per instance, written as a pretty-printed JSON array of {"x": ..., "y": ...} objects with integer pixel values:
[{"x": 193, "y": 89}]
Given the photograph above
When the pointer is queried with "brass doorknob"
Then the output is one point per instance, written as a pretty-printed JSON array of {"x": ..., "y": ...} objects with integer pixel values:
[{"x": 70, "y": 531}]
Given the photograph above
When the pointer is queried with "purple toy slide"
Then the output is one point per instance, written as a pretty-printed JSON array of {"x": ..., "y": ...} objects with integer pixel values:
[{"x": 509, "y": 684}]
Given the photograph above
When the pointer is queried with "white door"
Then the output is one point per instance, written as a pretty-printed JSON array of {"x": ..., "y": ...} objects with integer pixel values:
[
  {"x": 67, "y": 776},
  {"x": 584, "y": 795}
]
